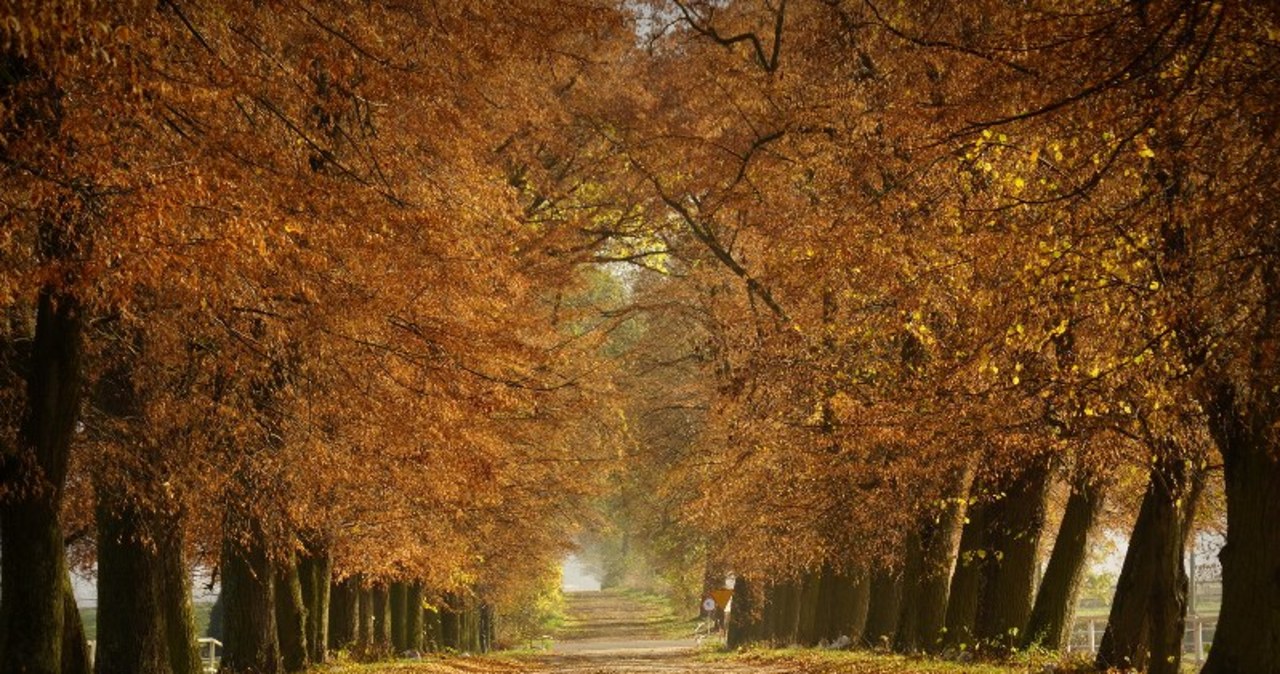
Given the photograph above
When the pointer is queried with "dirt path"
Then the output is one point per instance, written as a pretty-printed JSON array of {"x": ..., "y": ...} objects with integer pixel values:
[{"x": 616, "y": 633}]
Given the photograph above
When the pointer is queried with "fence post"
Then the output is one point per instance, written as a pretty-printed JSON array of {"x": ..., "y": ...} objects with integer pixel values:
[{"x": 1093, "y": 643}]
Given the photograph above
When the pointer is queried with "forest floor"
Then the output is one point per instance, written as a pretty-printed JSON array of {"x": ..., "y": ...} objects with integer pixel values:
[{"x": 616, "y": 632}]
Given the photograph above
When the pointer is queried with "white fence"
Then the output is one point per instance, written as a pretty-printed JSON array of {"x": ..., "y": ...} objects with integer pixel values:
[{"x": 1086, "y": 636}]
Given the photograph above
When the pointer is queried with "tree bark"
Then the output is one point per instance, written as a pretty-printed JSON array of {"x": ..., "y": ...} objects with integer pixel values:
[
  {"x": 381, "y": 618},
  {"x": 132, "y": 634},
  {"x": 1145, "y": 627},
  {"x": 1014, "y": 526},
  {"x": 344, "y": 614},
  {"x": 315, "y": 571},
  {"x": 33, "y": 570},
  {"x": 450, "y": 627},
  {"x": 396, "y": 596},
  {"x": 906, "y": 639},
  {"x": 291, "y": 616},
  {"x": 75, "y": 648},
  {"x": 807, "y": 609},
  {"x": 966, "y": 580},
  {"x": 250, "y": 644},
  {"x": 413, "y": 625},
  {"x": 853, "y": 596},
  {"x": 364, "y": 611},
  {"x": 1055, "y": 607},
  {"x": 175, "y": 599},
  {"x": 1248, "y": 634},
  {"x": 883, "y": 607},
  {"x": 744, "y": 620}
]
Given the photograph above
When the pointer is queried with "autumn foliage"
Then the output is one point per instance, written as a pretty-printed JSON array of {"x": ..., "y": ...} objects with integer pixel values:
[{"x": 876, "y": 305}]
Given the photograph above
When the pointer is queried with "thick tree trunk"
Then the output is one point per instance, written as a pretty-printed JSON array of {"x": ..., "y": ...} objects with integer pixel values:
[
  {"x": 853, "y": 598},
  {"x": 807, "y": 609},
  {"x": 768, "y": 613},
  {"x": 744, "y": 620},
  {"x": 396, "y": 596},
  {"x": 132, "y": 634},
  {"x": 364, "y": 610},
  {"x": 175, "y": 599},
  {"x": 33, "y": 571},
  {"x": 381, "y": 618},
  {"x": 344, "y": 614},
  {"x": 825, "y": 627},
  {"x": 1014, "y": 526},
  {"x": 1145, "y": 628},
  {"x": 1248, "y": 634},
  {"x": 883, "y": 608},
  {"x": 450, "y": 625},
  {"x": 966, "y": 580},
  {"x": 1055, "y": 607},
  {"x": 413, "y": 625},
  {"x": 291, "y": 617},
  {"x": 75, "y": 647},
  {"x": 315, "y": 571},
  {"x": 250, "y": 642},
  {"x": 907, "y": 638},
  {"x": 485, "y": 617}
]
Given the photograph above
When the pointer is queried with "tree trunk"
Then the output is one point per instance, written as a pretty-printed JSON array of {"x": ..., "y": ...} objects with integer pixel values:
[
  {"x": 883, "y": 608},
  {"x": 907, "y": 638},
  {"x": 1055, "y": 607},
  {"x": 825, "y": 628},
  {"x": 291, "y": 617},
  {"x": 1248, "y": 634},
  {"x": 75, "y": 648},
  {"x": 396, "y": 597},
  {"x": 132, "y": 635},
  {"x": 1145, "y": 628},
  {"x": 807, "y": 609},
  {"x": 413, "y": 618},
  {"x": 344, "y": 614},
  {"x": 853, "y": 596},
  {"x": 175, "y": 599},
  {"x": 485, "y": 618},
  {"x": 315, "y": 571},
  {"x": 250, "y": 643},
  {"x": 364, "y": 609},
  {"x": 1014, "y": 525},
  {"x": 33, "y": 571},
  {"x": 966, "y": 580},
  {"x": 381, "y": 618},
  {"x": 744, "y": 620},
  {"x": 450, "y": 629}
]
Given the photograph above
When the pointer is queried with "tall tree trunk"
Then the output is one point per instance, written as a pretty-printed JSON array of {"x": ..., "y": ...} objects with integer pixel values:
[
  {"x": 413, "y": 625},
  {"x": 75, "y": 647},
  {"x": 344, "y": 613},
  {"x": 486, "y": 627},
  {"x": 768, "y": 613},
  {"x": 907, "y": 637},
  {"x": 175, "y": 598},
  {"x": 1145, "y": 628},
  {"x": 744, "y": 619},
  {"x": 853, "y": 596},
  {"x": 364, "y": 609},
  {"x": 1055, "y": 607},
  {"x": 433, "y": 635},
  {"x": 381, "y": 618},
  {"x": 883, "y": 607},
  {"x": 825, "y": 628},
  {"x": 250, "y": 642},
  {"x": 450, "y": 627},
  {"x": 1014, "y": 526},
  {"x": 315, "y": 571},
  {"x": 132, "y": 634},
  {"x": 396, "y": 596},
  {"x": 291, "y": 616},
  {"x": 934, "y": 549},
  {"x": 1248, "y": 634},
  {"x": 966, "y": 580},
  {"x": 807, "y": 609},
  {"x": 33, "y": 568}
]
